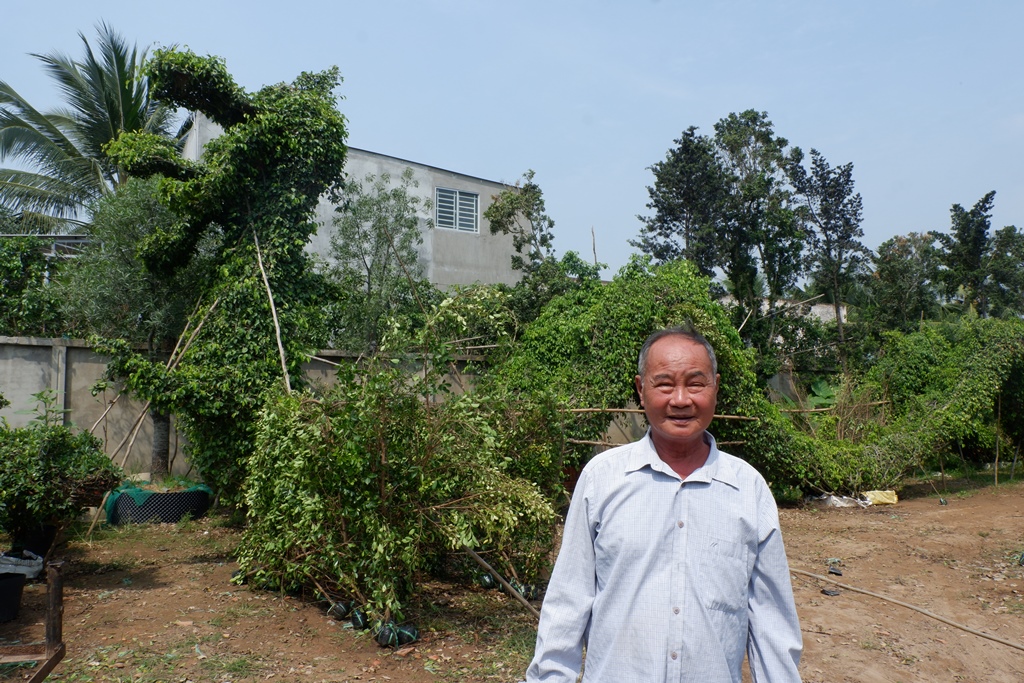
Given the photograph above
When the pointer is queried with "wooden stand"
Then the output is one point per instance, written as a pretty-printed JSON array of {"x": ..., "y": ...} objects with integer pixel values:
[{"x": 52, "y": 650}]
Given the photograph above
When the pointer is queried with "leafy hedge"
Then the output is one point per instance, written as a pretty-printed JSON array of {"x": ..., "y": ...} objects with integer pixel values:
[
  {"x": 584, "y": 347},
  {"x": 360, "y": 491},
  {"x": 957, "y": 387}
]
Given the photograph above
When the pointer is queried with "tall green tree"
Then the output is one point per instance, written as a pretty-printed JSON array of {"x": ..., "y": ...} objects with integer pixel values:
[
  {"x": 375, "y": 259},
  {"x": 519, "y": 211},
  {"x": 725, "y": 202},
  {"x": 1005, "y": 265},
  {"x": 688, "y": 199},
  {"x": 904, "y": 286},
  {"x": 64, "y": 150},
  {"x": 832, "y": 210},
  {"x": 964, "y": 252},
  {"x": 108, "y": 291},
  {"x": 982, "y": 272},
  {"x": 761, "y": 232}
]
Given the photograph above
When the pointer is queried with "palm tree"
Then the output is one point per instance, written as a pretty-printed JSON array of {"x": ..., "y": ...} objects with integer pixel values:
[{"x": 105, "y": 94}]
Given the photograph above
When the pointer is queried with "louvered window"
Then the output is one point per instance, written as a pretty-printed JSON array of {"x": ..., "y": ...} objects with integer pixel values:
[{"x": 456, "y": 210}]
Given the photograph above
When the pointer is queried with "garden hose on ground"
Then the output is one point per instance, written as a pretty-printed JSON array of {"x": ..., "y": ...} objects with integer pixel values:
[{"x": 923, "y": 611}]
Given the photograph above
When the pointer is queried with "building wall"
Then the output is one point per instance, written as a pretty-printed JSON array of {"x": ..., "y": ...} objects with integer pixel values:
[{"x": 450, "y": 257}]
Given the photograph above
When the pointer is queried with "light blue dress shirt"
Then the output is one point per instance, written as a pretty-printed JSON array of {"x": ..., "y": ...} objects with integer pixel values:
[{"x": 665, "y": 580}]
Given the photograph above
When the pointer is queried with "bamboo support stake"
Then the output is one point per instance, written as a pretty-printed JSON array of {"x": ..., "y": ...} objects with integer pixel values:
[
  {"x": 273, "y": 312},
  {"x": 323, "y": 360},
  {"x": 134, "y": 428},
  {"x": 640, "y": 411},
  {"x": 583, "y": 442},
  {"x": 172, "y": 362},
  {"x": 104, "y": 414},
  {"x": 825, "y": 410},
  {"x": 609, "y": 444},
  {"x": 130, "y": 437}
]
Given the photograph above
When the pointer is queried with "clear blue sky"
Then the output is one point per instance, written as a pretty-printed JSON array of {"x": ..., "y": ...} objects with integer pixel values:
[{"x": 924, "y": 97}]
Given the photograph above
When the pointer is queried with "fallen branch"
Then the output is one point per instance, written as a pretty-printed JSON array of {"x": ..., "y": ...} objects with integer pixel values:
[{"x": 511, "y": 591}]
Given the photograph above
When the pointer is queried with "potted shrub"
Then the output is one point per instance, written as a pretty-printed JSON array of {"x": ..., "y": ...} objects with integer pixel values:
[{"x": 48, "y": 474}]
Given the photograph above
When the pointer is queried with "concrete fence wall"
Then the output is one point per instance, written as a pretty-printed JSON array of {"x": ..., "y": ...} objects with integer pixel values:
[{"x": 69, "y": 367}]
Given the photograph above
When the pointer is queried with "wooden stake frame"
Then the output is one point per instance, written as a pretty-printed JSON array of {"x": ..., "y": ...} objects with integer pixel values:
[{"x": 52, "y": 651}]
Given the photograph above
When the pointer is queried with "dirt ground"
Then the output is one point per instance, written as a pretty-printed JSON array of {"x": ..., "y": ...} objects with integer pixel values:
[{"x": 155, "y": 603}]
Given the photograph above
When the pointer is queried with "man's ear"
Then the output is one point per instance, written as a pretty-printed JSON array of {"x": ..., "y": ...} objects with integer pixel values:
[{"x": 639, "y": 390}]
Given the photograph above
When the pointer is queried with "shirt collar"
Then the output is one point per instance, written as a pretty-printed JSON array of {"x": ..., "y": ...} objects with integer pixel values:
[{"x": 643, "y": 454}]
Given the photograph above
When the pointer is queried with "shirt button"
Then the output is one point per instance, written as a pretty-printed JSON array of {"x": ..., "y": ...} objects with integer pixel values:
[
  {"x": 674, "y": 655},
  {"x": 680, "y": 524},
  {"x": 675, "y": 610}
]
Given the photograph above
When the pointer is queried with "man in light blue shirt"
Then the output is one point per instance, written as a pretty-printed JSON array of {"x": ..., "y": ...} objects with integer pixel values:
[{"x": 672, "y": 563}]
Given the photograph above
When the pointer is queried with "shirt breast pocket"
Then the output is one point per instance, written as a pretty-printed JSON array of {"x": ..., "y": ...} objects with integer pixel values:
[{"x": 724, "y": 574}]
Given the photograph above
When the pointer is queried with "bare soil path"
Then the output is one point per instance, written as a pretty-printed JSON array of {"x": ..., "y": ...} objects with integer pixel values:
[
  {"x": 959, "y": 560},
  {"x": 155, "y": 603}
]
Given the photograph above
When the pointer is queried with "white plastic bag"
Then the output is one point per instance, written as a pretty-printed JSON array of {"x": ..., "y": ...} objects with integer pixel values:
[{"x": 31, "y": 566}]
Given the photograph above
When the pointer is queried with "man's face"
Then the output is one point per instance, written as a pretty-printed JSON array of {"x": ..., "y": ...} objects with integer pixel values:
[{"x": 678, "y": 391}]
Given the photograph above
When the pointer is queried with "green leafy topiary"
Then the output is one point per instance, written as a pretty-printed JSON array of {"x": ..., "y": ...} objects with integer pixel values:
[{"x": 283, "y": 147}]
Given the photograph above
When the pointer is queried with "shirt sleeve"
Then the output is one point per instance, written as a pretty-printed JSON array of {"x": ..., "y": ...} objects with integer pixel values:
[
  {"x": 565, "y": 614},
  {"x": 774, "y": 644}
]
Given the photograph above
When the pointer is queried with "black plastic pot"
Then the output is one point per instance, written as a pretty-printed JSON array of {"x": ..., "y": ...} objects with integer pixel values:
[
  {"x": 11, "y": 587},
  {"x": 36, "y": 539}
]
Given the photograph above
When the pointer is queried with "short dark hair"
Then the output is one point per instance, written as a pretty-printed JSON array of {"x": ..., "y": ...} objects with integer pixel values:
[{"x": 686, "y": 332}]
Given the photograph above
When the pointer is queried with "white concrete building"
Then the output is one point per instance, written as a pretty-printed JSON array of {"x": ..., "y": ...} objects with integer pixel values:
[{"x": 459, "y": 250}]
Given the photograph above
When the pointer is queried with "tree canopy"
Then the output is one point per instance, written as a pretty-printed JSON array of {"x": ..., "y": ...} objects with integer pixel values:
[
  {"x": 375, "y": 262},
  {"x": 832, "y": 212}
]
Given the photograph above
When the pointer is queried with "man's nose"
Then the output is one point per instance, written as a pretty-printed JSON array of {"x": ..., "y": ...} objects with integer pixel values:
[{"x": 680, "y": 396}]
